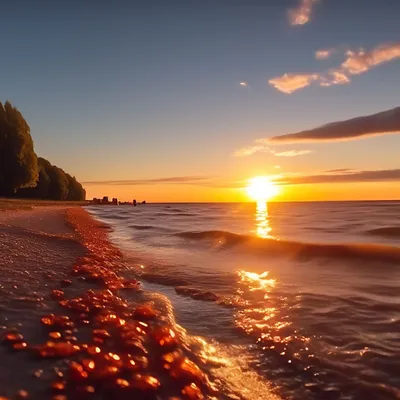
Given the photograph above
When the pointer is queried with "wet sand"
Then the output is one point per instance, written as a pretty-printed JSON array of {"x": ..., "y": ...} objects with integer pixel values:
[{"x": 68, "y": 330}]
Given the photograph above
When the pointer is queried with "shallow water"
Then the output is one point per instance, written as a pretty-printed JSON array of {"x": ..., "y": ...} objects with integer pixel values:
[{"x": 305, "y": 295}]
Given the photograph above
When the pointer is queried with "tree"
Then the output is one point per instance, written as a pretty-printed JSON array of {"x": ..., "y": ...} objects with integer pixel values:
[
  {"x": 22, "y": 174},
  {"x": 18, "y": 161},
  {"x": 58, "y": 189},
  {"x": 75, "y": 189}
]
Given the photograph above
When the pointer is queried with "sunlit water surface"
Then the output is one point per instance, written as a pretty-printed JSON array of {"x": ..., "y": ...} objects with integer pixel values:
[{"x": 286, "y": 290}]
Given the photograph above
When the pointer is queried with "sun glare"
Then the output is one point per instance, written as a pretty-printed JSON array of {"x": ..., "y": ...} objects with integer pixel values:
[{"x": 261, "y": 188}]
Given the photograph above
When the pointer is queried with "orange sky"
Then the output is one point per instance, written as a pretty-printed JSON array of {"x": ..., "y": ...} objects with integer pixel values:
[{"x": 193, "y": 193}]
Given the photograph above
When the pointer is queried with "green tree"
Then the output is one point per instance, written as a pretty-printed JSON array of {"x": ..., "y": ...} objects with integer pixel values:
[{"x": 18, "y": 161}]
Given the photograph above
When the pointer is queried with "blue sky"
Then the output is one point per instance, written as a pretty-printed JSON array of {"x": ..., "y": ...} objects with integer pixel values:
[{"x": 139, "y": 90}]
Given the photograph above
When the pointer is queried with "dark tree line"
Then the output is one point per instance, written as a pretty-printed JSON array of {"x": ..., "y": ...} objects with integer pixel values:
[{"x": 22, "y": 173}]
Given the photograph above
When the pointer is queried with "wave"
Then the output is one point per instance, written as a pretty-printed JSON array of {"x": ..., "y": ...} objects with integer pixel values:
[
  {"x": 387, "y": 231},
  {"x": 196, "y": 294},
  {"x": 119, "y": 216},
  {"x": 299, "y": 250},
  {"x": 142, "y": 227},
  {"x": 173, "y": 214}
]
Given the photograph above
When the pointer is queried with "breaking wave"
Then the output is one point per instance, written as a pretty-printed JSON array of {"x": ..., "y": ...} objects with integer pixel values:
[{"x": 298, "y": 250}]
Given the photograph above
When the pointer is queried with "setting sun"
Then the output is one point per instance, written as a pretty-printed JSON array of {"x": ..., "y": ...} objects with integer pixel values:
[{"x": 261, "y": 188}]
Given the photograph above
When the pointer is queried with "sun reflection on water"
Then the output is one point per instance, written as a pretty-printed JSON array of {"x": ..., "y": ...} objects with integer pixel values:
[
  {"x": 267, "y": 316},
  {"x": 256, "y": 281},
  {"x": 263, "y": 227}
]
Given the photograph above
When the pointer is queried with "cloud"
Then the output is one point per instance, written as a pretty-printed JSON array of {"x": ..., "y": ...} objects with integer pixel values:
[
  {"x": 262, "y": 146},
  {"x": 291, "y": 153},
  {"x": 302, "y": 13},
  {"x": 377, "y": 124},
  {"x": 334, "y": 78},
  {"x": 355, "y": 63},
  {"x": 341, "y": 170},
  {"x": 343, "y": 177},
  {"x": 188, "y": 180},
  {"x": 324, "y": 54},
  {"x": 289, "y": 83},
  {"x": 358, "y": 62}
]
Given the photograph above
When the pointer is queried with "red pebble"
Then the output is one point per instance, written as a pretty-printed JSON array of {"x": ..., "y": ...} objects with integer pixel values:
[
  {"x": 20, "y": 346},
  {"x": 22, "y": 394},
  {"x": 145, "y": 382},
  {"x": 187, "y": 370},
  {"x": 165, "y": 337},
  {"x": 57, "y": 349},
  {"x": 77, "y": 373},
  {"x": 192, "y": 392},
  {"x": 13, "y": 337},
  {"x": 57, "y": 294},
  {"x": 144, "y": 312},
  {"x": 58, "y": 386}
]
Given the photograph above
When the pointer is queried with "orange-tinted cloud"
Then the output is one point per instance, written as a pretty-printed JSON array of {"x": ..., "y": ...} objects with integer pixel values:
[
  {"x": 302, "y": 13},
  {"x": 344, "y": 176},
  {"x": 355, "y": 63},
  {"x": 188, "y": 180},
  {"x": 334, "y": 78},
  {"x": 289, "y": 83},
  {"x": 263, "y": 146},
  {"x": 324, "y": 54},
  {"x": 377, "y": 124},
  {"x": 358, "y": 62}
]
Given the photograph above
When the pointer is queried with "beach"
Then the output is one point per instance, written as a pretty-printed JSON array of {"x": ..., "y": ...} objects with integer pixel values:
[
  {"x": 200, "y": 301},
  {"x": 37, "y": 250},
  {"x": 73, "y": 326}
]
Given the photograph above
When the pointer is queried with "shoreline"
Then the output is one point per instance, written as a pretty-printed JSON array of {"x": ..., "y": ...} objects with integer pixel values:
[{"x": 76, "y": 334}]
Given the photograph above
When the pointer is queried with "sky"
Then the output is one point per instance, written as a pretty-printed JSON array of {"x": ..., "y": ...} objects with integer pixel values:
[{"x": 186, "y": 100}]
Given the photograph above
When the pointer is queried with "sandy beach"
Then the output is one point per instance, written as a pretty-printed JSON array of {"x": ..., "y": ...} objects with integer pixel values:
[
  {"x": 37, "y": 250},
  {"x": 67, "y": 329}
]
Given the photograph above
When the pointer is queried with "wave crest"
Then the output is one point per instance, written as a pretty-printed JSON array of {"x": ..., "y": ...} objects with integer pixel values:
[{"x": 299, "y": 250}]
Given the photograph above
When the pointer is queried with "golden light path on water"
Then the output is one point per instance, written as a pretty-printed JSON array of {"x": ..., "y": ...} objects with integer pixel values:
[
  {"x": 266, "y": 315},
  {"x": 263, "y": 227}
]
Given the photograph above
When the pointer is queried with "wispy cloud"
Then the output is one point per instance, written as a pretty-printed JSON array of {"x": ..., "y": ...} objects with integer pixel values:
[
  {"x": 185, "y": 180},
  {"x": 324, "y": 54},
  {"x": 289, "y": 83},
  {"x": 355, "y": 63},
  {"x": 302, "y": 13},
  {"x": 342, "y": 176},
  {"x": 334, "y": 78},
  {"x": 262, "y": 146},
  {"x": 358, "y": 62},
  {"x": 385, "y": 122},
  {"x": 338, "y": 170},
  {"x": 291, "y": 153}
]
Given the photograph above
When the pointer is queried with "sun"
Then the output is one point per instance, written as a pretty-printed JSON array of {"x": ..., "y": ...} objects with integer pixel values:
[{"x": 260, "y": 188}]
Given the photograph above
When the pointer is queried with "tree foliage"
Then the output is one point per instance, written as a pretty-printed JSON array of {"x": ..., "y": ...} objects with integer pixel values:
[
  {"x": 54, "y": 184},
  {"x": 18, "y": 161},
  {"x": 22, "y": 173}
]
